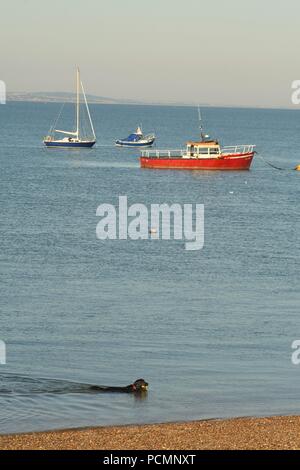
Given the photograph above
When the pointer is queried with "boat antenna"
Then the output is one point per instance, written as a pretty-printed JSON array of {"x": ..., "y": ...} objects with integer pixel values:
[{"x": 202, "y": 135}]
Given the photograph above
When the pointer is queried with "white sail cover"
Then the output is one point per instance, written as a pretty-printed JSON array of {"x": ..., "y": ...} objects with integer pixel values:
[{"x": 65, "y": 132}]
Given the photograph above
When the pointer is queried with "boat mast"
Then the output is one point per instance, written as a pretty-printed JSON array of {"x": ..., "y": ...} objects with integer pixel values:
[
  {"x": 78, "y": 108},
  {"x": 202, "y": 135}
]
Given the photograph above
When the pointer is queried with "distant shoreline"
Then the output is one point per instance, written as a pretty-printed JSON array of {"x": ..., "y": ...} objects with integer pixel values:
[
  {"x": 278, "y": 432},
  {"x": 44, "y": 98}
]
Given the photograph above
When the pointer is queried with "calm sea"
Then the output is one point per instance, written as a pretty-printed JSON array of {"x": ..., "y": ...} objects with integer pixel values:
[{"x": 210, "y": 330}]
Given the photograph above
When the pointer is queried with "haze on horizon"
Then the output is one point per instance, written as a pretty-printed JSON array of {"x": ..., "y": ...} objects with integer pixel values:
[{"x": 221, "y": 53}]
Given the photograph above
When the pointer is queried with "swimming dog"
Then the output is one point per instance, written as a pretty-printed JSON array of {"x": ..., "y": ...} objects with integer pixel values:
[{"x": 139, "y": 386}]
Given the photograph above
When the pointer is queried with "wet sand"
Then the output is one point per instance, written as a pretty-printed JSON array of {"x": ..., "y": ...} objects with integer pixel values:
[{"x": 242, "y": 433}]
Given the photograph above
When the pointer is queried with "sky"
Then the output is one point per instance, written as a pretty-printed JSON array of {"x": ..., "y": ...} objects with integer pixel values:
[{"x": 233, "y": 52}]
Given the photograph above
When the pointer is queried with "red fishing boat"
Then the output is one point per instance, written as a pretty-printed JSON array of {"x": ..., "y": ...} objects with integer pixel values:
[{"x": 200, "y": 155}]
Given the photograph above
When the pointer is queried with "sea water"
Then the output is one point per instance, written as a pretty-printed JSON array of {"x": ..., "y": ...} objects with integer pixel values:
[{"x": 210, "y": 330}]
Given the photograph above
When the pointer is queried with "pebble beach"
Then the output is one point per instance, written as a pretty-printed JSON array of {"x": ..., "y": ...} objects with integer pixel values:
[{"x": 274, "y": 433}]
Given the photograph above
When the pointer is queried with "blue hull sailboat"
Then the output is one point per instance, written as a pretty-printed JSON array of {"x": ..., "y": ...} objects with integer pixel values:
[
  {"x": 69, "y": 143},
  {"x": 73, "y": 139},
  {"x": 137, "y": 139}
]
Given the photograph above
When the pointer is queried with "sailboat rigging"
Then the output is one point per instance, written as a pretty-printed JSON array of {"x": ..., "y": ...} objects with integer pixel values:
[{"x": 75, "y": 138}]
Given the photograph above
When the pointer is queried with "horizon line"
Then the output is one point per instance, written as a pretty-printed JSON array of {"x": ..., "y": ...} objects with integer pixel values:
[{"x": 28, "y": 96}]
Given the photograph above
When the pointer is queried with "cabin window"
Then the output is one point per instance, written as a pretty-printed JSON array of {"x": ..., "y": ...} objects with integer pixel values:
[
  {"x": 203, "y": 150},
  {"x": 214, "y": 151}
]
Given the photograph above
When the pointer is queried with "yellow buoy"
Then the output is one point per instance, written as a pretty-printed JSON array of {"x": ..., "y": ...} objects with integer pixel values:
[{"x": 297, "y": 168}]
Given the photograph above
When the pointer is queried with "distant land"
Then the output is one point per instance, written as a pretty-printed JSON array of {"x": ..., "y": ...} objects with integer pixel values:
[
  {"x": 59, "y": 97},
  {"x": 65, "y": 97}
]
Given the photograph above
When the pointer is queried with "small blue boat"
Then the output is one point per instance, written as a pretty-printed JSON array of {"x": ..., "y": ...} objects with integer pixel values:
[
  {"x": 75, "y": 138},
  {"x": 137, "y": 139}
]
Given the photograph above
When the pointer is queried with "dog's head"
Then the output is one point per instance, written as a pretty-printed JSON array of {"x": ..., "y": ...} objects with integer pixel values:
[{"x": 140, "y": 386}]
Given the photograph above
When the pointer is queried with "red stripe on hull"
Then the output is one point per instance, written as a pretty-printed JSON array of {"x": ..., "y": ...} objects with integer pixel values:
[{"x": 229, "y": 162}]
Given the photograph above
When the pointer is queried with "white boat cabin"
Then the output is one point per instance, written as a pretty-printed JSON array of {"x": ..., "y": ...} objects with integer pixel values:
[{"x": 203, "y": 149}]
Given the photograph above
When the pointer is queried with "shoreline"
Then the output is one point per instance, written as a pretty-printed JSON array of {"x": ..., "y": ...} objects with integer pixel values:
[
  {"x": 115, "y": 102},
  {"x": 270, "y": 433}
]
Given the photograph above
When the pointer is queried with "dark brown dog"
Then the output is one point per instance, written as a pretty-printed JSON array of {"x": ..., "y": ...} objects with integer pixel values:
[{"x": 139, "y": 386}]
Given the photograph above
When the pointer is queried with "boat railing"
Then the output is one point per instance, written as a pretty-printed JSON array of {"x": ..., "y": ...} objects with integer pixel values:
[
  {"x": 163, "y": 153},
  {"x": 166, "y": 153},
  {"x": 237, "y": 149}
]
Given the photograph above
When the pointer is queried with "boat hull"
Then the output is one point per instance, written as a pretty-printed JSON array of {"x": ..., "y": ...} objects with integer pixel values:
[
  {"x": 228, "y": 162},
  {"x": 70, "y": 144},
  {"x": 120, "y": 143}
]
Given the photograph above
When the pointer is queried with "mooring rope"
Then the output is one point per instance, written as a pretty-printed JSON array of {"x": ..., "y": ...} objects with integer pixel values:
[{"x": 277, "y": 167}]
